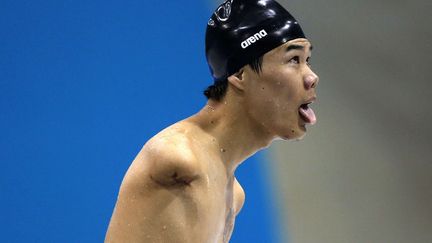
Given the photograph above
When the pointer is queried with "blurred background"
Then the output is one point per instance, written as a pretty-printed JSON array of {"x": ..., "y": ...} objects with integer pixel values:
[
  {"x": 364, "y": 171},
  {"x": 83, "y": 85}
]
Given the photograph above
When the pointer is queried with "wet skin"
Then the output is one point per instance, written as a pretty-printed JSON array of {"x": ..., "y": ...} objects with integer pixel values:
[
  {"x": 285, "y": 83},
  {"x": 181, "y": 186}
]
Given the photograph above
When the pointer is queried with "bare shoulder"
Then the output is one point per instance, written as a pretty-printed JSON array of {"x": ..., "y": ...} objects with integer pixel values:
[
  {"x": 156, "y": 192},
  {"x": 169, "y": 158}
]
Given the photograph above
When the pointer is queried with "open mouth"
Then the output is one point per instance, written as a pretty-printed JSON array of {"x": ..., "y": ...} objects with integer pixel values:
[{"x": 307, "y": 114}]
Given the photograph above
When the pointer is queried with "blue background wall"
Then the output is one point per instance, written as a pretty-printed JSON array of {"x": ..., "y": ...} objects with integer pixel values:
[{"x": 83, "y": 85}]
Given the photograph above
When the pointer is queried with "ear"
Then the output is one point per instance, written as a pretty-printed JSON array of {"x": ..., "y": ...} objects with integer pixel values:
[{"x": 237, "y": 80}]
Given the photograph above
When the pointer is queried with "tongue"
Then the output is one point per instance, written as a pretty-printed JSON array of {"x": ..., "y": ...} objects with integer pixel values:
[{"x": 308, "y": 115}]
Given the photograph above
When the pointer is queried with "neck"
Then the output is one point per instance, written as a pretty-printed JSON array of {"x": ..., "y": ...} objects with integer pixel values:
[{"x": 237, "y": 135}]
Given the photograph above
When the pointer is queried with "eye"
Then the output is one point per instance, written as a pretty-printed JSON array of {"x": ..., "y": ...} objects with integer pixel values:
[
  {"x": 308, "y": 61},
  {"x": 295, "y": 60}
]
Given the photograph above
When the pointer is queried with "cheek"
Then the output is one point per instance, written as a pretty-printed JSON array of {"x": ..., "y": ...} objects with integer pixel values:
[
  {"x": 261, "y": 105},
  {"x": 283, "y": 83},
  {"x": 273, "y": 98},
  {"x": 284, "y": 94},
  {"x": 273, "y": 106},
  {"x": 282, "y": 110}
]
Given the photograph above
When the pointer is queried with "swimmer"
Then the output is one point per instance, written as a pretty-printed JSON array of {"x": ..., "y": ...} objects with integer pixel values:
[{"x": 181, "y": 186}]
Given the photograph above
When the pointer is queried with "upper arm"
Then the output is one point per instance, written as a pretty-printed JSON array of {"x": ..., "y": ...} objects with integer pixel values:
[
  {"x": 155, "y": 192},
  {"x": 170, "y": 162}
]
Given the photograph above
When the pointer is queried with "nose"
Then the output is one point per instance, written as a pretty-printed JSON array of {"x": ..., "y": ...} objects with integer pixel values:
[{"x": 311, "y": 81}]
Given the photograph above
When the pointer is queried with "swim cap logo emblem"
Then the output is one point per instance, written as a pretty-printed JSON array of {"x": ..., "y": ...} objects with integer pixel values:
[
  {"x": 256, "y": 37},
  {"x": 224, "y": 11}
]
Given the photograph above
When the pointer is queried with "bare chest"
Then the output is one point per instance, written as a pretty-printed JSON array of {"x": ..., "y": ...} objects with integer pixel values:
[{"x": 220, "y": 198}]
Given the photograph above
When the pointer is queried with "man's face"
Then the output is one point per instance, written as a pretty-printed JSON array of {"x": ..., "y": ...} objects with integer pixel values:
[{"x": 278, "y": 96}]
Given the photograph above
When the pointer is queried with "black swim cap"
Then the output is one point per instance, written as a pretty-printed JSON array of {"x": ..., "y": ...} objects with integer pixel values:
[{"x": 240, "y": 31}]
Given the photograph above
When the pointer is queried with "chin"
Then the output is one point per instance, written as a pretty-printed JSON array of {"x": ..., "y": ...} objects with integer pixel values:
[
  {"x": 294, "y": 135},
  {"x": 300, "y": 138}
]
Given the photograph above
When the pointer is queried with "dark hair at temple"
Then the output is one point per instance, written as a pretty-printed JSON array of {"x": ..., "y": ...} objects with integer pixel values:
[{"x": 218, "y": 90}]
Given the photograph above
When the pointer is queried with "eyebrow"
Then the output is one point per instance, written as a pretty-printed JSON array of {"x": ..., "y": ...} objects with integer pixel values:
[{"x": 297, "y": 47}]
